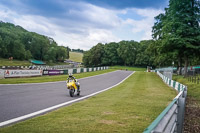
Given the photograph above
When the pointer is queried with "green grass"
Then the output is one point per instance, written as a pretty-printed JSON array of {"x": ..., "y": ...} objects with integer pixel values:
[
  {"x": 193, "y": 88},
  {"x": 128, "y": 68},
  {"x": 192, "y": 119},
  {"x": 50, "y": 78},
  {"x": 75, "y": 56},
  {"x": 129, "y": 107},
  {"x": 6, "y": 62}
]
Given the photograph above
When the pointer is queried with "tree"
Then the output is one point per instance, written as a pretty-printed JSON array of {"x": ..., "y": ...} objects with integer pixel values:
[
  {"x": 21, "y": 44},
  {"x": 127, "y": 51},
  {"x": 110, "y": 56},
  {"x": 178, "y": 30}
]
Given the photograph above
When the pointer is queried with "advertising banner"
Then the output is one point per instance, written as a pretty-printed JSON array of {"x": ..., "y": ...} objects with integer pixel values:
[
  {"x": 90, "y": 69},
  {"x": 1, "y": 74},
  {"x": 53, "y": 72},
  {"x": 22, "y": 73}
]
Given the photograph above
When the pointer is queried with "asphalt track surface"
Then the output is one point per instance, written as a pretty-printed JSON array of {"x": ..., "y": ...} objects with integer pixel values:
[{"x": 23, "y": 99}]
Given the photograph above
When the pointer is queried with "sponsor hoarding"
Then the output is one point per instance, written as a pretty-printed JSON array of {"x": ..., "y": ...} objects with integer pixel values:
[
  {"x": 22, "y": 73},
  {"x": 53, "y": 72}
]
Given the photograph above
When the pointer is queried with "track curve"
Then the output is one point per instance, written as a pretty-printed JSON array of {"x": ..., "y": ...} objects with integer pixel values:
[{"x": 23, "y": 99}]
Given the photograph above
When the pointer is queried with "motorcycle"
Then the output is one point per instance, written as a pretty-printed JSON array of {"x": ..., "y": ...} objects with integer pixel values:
[{"x": 74, "y": 87}]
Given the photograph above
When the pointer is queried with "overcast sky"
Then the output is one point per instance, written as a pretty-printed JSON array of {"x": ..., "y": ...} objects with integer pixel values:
[{"x": 84, "y": 23}]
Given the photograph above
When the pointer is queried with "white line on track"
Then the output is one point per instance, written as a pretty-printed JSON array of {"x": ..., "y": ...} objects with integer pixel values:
[
  {"x": 56, "y": 81},
  {"x": 57, "y": 106}
]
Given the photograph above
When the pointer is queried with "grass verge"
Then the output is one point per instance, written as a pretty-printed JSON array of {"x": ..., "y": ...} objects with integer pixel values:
[
  {"x": 192, "y": 110},
  {"x": 50, "y": 78},
  {"x": 129, "y": 107},
  {"x": 128, "y": 68}
]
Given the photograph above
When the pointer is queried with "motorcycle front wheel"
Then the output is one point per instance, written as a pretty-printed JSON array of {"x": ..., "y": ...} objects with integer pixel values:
[
  {"x": 71, "y": 92},
  {"x": 78, "y": 92}
]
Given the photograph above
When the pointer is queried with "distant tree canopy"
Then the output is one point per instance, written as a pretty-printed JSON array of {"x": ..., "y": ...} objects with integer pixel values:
[
  {"x": 77, "y": 50},
  {"x": 21, "y": 44},
  {"x": 129, "y": 53}
]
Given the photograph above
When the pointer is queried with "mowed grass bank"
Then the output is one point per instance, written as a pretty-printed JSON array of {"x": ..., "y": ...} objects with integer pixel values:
[
  {"x": 129, "y": 68},
  {"x": 50, "y": 78},
  {"x": 129, "y": 107},
  {"x": 76, "y": 56},
  {"x": 7, "y": 62}
]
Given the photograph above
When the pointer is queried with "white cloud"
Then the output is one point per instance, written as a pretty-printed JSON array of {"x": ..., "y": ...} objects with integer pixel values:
[
  {"x": 144, "y": 25},
  {"x": 86, "y": 26}
]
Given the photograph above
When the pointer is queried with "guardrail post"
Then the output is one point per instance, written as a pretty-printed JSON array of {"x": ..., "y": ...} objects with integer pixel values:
[{"x": 181, "y": 111}]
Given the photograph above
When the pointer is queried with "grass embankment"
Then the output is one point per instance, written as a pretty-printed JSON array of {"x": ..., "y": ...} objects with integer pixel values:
[
  {"x": 192, "y": 111},
  {"x": 50, "y": 78},
  {"x": 76, "y": 56},
  {"x": 128, "y": 68},
  {"x": 129, "y": 107},
  {"x": 7, "y": 62}
]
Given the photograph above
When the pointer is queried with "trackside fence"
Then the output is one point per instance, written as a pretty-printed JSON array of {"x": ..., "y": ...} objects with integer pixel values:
[
  {"x": 171, "y": 119},
  {"x": 29, "y": 73}
]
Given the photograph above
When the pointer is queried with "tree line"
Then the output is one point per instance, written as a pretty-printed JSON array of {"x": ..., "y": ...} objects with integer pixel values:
[
  {"x": 77, "y": 50},
  {"x": 21, "y": 44},
  {"x": 128, "y": 53},
  {"x": 176, "y": 38}
]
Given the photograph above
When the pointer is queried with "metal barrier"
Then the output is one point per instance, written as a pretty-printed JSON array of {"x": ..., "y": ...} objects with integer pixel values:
[{"x": 171, "y": 119}]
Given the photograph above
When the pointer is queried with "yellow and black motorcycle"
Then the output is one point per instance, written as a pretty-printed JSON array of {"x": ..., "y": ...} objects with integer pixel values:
[{"x": 74, "y": 87}]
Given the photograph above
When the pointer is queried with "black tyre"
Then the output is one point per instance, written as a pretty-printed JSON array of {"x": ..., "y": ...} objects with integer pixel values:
[
  {"x": 71, "y": 92},
  {"x": 78, "y": 92}
]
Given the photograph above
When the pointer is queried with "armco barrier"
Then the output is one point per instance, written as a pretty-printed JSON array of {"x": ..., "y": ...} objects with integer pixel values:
[
  {"x": 1, "y": 74},
  {"x": 24, "y": 73},
  {"x": 171, "y": 119}
]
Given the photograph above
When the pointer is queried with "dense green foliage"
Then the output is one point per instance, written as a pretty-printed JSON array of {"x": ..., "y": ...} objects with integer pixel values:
[
  {"x": 20, "y": 44},
  {"x": 177, "y": 31},
  {"x": 128, "y": 53}
]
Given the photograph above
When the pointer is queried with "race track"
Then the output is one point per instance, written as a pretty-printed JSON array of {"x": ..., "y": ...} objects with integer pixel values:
[{"x": 23, "y": 99}]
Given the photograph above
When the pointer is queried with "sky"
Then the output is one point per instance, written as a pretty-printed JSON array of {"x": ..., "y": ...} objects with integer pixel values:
[{"x": 84, "y": 23}]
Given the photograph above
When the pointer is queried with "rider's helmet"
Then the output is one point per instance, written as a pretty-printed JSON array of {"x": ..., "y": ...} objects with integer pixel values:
[{"x": 70, "y": 75}]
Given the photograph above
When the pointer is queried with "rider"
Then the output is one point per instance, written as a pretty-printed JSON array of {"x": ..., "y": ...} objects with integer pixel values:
[{"x": 71, "y": 77}]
